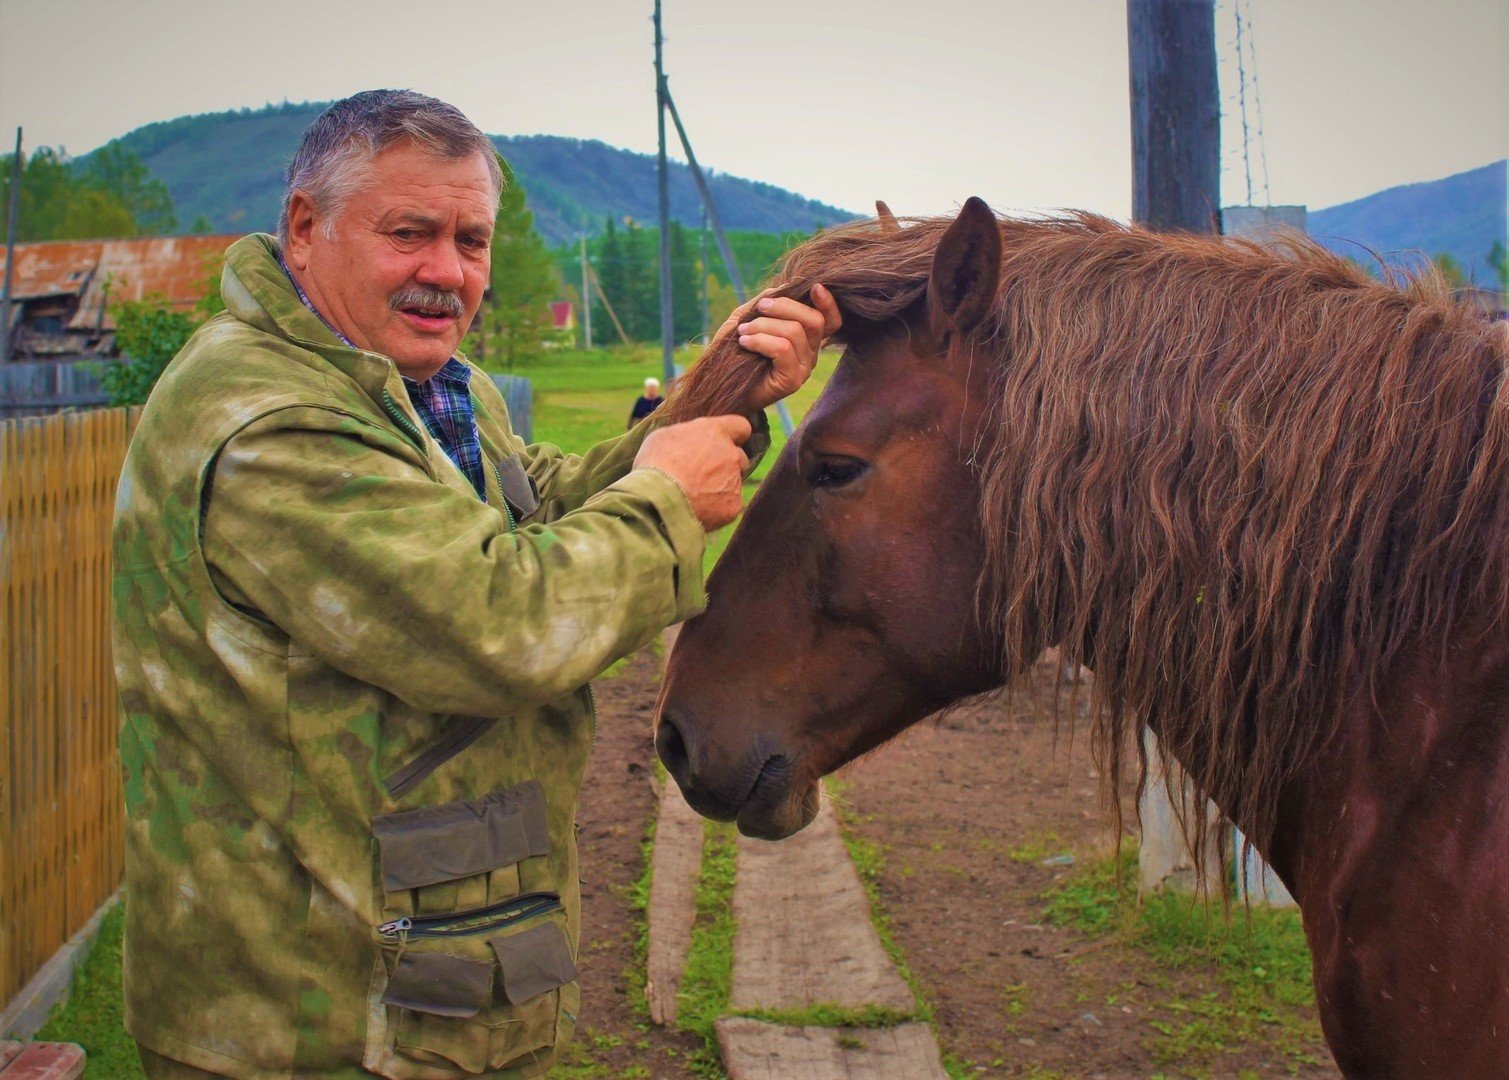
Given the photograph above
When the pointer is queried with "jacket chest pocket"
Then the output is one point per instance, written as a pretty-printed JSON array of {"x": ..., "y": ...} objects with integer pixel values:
[
  {"x": 480, "y": 974},
  {"x": 461, "y": 855}
]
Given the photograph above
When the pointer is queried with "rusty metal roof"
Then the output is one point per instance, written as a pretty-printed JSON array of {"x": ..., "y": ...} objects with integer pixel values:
[{"x": 177, "y": 267}]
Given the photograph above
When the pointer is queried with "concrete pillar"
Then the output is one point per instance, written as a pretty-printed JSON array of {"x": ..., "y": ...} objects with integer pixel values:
[{"x": 1163, "y": 858}]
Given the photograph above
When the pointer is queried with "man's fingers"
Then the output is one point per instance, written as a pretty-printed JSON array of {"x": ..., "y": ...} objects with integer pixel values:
[
  {"x": 786, "y": 328},
  {"x": 782, "y": 351},
  {"x": 736, "y": 428},
  {"x": 823, "y": 300},
  {"x": 785, "y": 309}
]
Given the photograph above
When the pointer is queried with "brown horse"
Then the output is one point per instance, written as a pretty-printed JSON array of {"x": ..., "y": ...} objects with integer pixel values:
[{"x": 1263, "y": 496}]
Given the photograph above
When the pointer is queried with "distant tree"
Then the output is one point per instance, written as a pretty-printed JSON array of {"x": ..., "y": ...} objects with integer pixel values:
[
  {"x": 55, "y": 205},
  {"x": 1450, "y": 270},
  {"x": 516, "y": 318},
  {"x": 1497, "y": 261},
  {"x": 201, "y": 226},
  {"x": 721, "y": 302},
  {"x": 640, "y": 310},
  {"x": 608, "y": 264},
  {"x": 119, "y": 171},
  {"x": 686, "y": 297},
  {"x": 149, "y": 333}
]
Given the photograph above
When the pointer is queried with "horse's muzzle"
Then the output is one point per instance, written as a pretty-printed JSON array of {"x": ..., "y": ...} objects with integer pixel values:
[{"x": 756, "y": 789}]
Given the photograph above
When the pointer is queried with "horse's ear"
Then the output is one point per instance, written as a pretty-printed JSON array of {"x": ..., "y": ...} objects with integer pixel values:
[
  {"x": 966, "y": 271},
  {"x": 888, "y": 222}
]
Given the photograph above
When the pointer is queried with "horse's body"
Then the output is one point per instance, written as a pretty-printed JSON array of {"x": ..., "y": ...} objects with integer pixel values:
[{"x": 1265, "y": 498}]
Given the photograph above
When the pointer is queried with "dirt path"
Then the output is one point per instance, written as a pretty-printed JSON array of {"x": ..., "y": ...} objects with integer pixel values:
[
  {"x": 964, "y": 812},
  {"x": 616, "y": 1038},
  {"x": 976, "y": 815}
]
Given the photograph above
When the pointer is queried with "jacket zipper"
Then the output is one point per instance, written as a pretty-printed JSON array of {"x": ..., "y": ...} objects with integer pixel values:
[
  {"x": 404, "y": 423},
  {"x": 493, "y": 917},
  {"x": 498, "y": 476}
]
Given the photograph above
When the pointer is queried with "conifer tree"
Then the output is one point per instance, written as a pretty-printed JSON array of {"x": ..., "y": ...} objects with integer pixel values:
[
  {"x": 609, "y": 267},
  {"x": 516, "y": 316},
  {"x": 641, "y": 308},
  {"x": 686, "y": 299}
]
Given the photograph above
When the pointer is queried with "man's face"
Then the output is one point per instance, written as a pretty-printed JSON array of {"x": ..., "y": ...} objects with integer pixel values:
[
  {"x": 651, "y": 391},
  {"x": 405, "y": 270}
]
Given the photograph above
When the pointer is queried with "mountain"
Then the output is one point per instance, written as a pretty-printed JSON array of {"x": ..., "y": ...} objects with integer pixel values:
[
  {"x": 1459, "y": 215},
  {"x": 228, "y": 167}
]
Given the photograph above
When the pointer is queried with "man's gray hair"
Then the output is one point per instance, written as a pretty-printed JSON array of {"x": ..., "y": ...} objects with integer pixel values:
[{"x": 336, "y": 149}]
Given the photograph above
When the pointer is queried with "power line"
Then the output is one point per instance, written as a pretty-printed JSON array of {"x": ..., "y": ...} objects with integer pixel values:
[
  {"x": 1236, "y": 9},
  {"x": 1257, "y": 97}
]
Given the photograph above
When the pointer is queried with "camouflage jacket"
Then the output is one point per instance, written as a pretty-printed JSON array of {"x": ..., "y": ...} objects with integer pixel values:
[{"x": 311, "y": 607}]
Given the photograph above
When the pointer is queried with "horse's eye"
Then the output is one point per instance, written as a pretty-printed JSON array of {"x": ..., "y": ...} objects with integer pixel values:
[{"x": 836, "y": 472}]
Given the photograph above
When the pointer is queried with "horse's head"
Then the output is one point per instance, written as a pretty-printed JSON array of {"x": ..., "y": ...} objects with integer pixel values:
[{"x": 844, "y": 607}]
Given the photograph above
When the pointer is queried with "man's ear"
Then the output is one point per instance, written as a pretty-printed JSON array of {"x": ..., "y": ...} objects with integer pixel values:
[
  {"x": 966, "y": 272},
  {"x": 301, "y": 225}
]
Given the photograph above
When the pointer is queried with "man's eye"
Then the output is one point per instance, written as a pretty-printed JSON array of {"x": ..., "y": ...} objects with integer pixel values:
[
  {"x": 405, "y": 235},
  {"x": 836, "y": 472}
]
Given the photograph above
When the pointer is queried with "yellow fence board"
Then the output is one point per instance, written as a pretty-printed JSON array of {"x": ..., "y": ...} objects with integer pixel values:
[{"x": 61, "y": 815}]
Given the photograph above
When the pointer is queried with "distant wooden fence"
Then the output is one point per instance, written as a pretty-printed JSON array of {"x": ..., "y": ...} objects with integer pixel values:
[
  {"x": 519, "y": 394},
  {"x": 43, "y": 388},
  {"x": 60, "y": 803}
]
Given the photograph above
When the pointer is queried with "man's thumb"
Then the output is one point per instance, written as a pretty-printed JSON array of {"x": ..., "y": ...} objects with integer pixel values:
[{"x": 735, "y": 427}]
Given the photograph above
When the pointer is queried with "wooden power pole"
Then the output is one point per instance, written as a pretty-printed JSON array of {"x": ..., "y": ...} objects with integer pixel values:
[
  {"x": 12, "y": 224},
  {"x": 662, "y": 183},
  {"x": 1176, "y": 114},
  {"x": 586, "y": 294},
  {"x": 1176, "y": 176}
]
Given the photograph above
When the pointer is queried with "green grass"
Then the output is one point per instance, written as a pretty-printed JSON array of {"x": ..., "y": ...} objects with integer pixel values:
[
  {"x": 829, "y": 1015},
  {"x": 1258, "y": 958},
  {"x": 91, "y": 1016},
  {"x": 708, "y": 976}
]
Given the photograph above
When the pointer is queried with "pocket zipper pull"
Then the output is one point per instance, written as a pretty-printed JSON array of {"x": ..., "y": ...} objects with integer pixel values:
[{"x": 396, "y": 927}]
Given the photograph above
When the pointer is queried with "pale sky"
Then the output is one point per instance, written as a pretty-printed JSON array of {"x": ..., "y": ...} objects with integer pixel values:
[{"x": 1023, "y": 102}]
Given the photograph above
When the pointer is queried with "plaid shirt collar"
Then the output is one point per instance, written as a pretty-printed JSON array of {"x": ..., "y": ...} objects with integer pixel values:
[{"x": 443, "y": 402}]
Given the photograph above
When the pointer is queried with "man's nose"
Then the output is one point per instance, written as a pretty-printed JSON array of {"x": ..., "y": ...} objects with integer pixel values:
[{"x": 441, "y": 267}]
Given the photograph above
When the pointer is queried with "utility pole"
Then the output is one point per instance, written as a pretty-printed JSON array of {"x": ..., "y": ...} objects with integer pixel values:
[
  {"x": 1176, "y": 175},
  {"x": 1176, "y": 115},
  {"x": 707, "y": 322},
  {"x": 12, "y": 226},
  {"x": 662, "y": 182},
  {"x": 586, "y": 294}
]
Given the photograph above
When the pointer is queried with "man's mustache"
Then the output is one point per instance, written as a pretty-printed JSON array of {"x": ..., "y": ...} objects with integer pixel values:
[{"x": 447, "y": 303}]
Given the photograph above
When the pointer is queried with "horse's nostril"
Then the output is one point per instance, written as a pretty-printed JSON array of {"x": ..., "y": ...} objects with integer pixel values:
[{"x": 672, "y": 749}]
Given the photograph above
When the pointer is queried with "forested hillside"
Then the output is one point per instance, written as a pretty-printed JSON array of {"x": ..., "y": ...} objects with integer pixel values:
[
  {"x": 1460, "y": 216},
  {"x": 228, "y": 167}
]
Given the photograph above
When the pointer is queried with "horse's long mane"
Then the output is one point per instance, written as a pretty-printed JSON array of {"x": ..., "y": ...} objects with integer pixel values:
[{"x": 1238, "y": 483}]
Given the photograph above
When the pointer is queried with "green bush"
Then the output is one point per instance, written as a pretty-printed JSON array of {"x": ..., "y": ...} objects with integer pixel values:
[{"x": 149, "y": 333}]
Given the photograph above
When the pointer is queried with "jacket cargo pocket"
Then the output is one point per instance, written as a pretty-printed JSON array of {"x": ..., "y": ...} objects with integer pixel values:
[
  {"x": 418, "y": 848},
  {"x": 440, "y": 1001},
  {"x": 534, "y": 995}
]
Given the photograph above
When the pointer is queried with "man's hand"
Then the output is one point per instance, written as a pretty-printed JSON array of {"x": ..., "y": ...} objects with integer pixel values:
[
  {"x": 789, "y": 333},
  {"x": 705, "y": 458}
]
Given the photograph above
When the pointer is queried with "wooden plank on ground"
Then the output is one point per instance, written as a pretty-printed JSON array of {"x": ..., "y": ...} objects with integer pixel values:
[
  {"x": 804, "y": 931},
  {"x": 675, "y": 868},
  {"x": 754, "y": 1050},
  {"x": 45, "y": 1061}
]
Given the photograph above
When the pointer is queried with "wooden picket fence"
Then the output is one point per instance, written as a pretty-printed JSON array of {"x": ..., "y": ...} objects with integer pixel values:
[{"x": 61, "y": 814}]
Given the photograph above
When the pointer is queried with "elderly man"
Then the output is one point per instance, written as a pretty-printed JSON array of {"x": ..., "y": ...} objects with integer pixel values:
[{"x": 355, "y": 622}]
